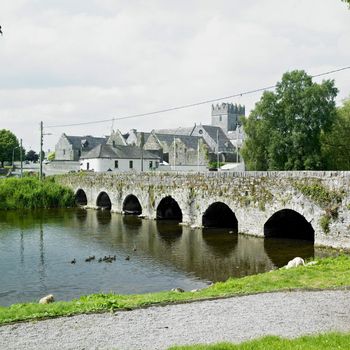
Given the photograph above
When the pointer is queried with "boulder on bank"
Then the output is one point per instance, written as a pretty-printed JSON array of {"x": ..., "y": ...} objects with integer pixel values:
[
  {"x": 47, "y": 299},
  {"x": 295, "y": 263}
]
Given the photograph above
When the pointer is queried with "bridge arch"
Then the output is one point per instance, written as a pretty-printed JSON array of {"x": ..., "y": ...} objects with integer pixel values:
[
  {"x": 220, "y": 215},
  {"x": 169, "y": 209},
  {"x": 131, "y": 205},
  {"x": 103, "y": 201},
  {"x": 288, "y": 223},
  {"x": 80, "y": 197}
]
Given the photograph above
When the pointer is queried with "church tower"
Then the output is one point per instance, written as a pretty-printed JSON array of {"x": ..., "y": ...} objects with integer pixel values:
[{"x": 226, "y": 116}]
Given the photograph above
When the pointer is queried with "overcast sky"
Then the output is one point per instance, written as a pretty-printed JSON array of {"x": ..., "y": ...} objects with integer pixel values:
[{"x": 65, "y": 61}]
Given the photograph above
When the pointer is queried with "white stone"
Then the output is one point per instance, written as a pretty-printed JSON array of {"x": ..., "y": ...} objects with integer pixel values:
[
  {"x": 47, "y": 299},
  {"x": 295, "y": 263}
]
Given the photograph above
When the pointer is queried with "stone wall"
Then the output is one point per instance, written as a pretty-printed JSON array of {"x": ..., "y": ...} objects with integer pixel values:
[{"x": 321, "y": 197}]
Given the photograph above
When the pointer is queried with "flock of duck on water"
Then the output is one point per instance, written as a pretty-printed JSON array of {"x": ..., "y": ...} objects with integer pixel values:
[{"x": 107, "y": 259}]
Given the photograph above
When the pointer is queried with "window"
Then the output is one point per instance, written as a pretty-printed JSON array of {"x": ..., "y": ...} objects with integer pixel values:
[
  {"x": 116, "y": 164},
  {"x": 220, "y": 118},
  {"x": 79, "y": 152},
  {"x": 64, "y": 152},
  {"x": 150, "y": 164},
  {"x": 87, "y": 166},
  {"x": 113, "y": 143},
  {"x": 131, "y": 164}
]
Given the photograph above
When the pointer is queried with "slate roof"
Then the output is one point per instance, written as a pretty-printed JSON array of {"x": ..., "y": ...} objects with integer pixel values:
[
  {"x": 189, "y": 141},
  {"x": 176, "y": 131},
  {"x": 224, "y": 141},
  {"x": 118, "y": 152},
  {"x": 76, "y": 141}
]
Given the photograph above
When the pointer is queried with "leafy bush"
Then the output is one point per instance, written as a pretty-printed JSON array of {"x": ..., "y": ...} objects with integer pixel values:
[{"x": 30, "y": 193}]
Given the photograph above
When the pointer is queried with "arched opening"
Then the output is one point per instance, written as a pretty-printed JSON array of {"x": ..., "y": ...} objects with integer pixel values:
[
  {"x": 220, "y": 215},
  {"x": 168, "y": 209},
  {"x": 80, "y": 197},
  {"x": 103, "y": 201},
  {"x": 288, "y": 223},
  {"x": 132, "y": 206}
]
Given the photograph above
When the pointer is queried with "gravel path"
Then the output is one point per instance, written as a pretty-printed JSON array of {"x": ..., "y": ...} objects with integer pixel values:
[{"x": 235, "y": 319}]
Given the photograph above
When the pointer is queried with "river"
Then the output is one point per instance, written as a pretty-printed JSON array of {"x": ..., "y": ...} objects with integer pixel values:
[{"x": 38, "y": 248}]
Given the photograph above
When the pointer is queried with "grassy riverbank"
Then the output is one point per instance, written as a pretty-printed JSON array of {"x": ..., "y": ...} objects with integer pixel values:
[
  {"x": 329, "y": 341},
  {"x": 30, "y": 193},
  {"x": 326, "y": 274}
]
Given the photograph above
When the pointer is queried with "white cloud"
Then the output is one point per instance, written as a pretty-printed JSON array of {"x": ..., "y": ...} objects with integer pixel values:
[{"x": 75, "y": 61}]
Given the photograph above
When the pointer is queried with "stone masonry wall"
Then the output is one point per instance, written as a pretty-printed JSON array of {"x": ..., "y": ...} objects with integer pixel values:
[{"x": 321, "y": 197}]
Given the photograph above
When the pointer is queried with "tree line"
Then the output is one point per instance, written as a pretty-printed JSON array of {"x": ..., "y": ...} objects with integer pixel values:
[
  {"x": 298, "y": 127},
  {"x": 10, "y": 149},
  {"x": 295, "y": 127}
]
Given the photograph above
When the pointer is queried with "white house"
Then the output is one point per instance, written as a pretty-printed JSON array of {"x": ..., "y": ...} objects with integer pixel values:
[{"x": 118, "y": 158}]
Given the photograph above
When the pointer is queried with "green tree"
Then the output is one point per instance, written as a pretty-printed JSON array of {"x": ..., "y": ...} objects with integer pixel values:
[
  {"x": 32, "y": 156},
  {"x": 347, "y": 1},
  {"x": 8, "y": 144},
  {"x": 284, "y": 129},
  {"x": 51, "y": 156},
  {"x": 336, "y": 144}
]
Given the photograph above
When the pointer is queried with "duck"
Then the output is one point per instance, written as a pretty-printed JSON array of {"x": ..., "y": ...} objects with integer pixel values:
[
  {"x": 73, "y": 261},
  {"x": 127, "y": 258}
]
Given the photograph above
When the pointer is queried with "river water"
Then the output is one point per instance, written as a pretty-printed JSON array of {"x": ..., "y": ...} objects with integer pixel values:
[{"x": 37, "y": 250}]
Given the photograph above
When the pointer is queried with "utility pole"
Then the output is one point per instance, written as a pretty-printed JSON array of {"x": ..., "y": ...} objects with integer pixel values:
[
  {"x": 21, "y": 158},
  {"x": 41, "y": 151}
]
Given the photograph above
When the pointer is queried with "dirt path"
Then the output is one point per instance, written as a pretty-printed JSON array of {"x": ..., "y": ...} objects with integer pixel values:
[{"x": 236, "y": 319}]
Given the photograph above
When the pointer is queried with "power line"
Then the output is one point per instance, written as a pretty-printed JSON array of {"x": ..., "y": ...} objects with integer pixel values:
[{"x": 169, "y": 109}]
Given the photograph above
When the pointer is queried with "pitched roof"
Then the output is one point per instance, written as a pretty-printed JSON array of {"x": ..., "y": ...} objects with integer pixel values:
[
  {"x": 188, "y": 140},
  {"x": 118, "y": 152},
  {"x": 216, "y": 132},
  {"x": 176, "y": 131},
  {"x": 90, "y": 141}
]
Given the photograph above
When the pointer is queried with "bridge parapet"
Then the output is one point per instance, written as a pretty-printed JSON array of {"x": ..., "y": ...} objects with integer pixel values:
[{"x": 322, "y": 198}]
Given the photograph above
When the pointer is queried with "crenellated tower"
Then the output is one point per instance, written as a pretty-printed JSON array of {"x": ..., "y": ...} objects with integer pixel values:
[{"x": 226, "y": 116}]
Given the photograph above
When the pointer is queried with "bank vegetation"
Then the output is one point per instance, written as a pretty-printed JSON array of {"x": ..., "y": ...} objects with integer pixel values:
[{"x": 30, "y": 193}]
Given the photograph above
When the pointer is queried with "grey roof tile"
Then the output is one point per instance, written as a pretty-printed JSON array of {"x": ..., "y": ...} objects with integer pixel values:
[{"x": 118, "y": 152}]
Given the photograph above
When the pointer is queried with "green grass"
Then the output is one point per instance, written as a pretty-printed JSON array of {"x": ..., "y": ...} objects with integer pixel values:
[
  {"x": 329, "y": 341},
  {"x": 328, "y": 273},
  {"x": 30, "y": 193}
]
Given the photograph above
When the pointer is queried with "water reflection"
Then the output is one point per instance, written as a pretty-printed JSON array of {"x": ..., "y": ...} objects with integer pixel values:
[
  {"x": 220, "y": 241},
  {"x": 81, "y": 215},
  {"x": 280, "y": 251},
  {"x": 132, "y": 221},
  {"x": 169, "y": 231},
  {"x": 36, "y": 249},
  {"x": 104, "y": 217}
]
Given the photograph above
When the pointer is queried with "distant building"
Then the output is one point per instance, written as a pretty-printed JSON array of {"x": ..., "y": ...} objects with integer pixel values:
[
  {"x": 215, "y": 139},
  {"x": 134, "y": 137},
  {"x": 226, "y": 116},
  {"x": 118, "y": 158},
  {"x": 116, "y": 139},
  {"x": 176, "y": 149},
  {"x": 73, "y": 147}
]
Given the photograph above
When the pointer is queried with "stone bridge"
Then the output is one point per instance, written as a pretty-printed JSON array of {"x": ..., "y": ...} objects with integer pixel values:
[{"x": 313, "y": 206}]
